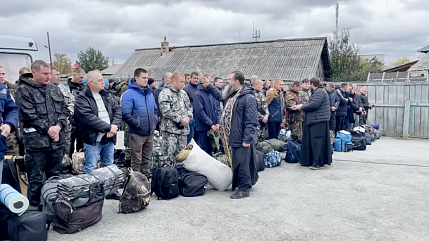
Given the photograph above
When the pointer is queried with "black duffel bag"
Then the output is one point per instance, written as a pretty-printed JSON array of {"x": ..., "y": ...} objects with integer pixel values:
[
  {"x": 260, "y": 160},
  {"x": 71, "y": 220},
  {"x": 359, "y": 143},
  {"x": 30, "y": 226},
  {"x": 191, "y": 184}
]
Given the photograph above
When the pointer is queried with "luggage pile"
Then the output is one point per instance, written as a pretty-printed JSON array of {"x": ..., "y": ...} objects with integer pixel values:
[
  {"x": 79, "y": 186},
  {"x": 358, "y": 139}
]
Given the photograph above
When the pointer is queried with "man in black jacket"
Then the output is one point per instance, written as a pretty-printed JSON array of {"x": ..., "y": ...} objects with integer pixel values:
[
  {"x": 238, "y": 131},
  {"x": 76, "y": 86},
  {"x": 191, "y": 89},
  {"x": 44, "y": 114},
  {"x": 334, "y": 102},
  {"x": 341, "y": 113},
  {"x": 365, "y": 104},
  {"x": 99, "y": 118}
]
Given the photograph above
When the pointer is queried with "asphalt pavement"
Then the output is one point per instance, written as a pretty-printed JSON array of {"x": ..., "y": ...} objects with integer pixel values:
[{"x": 377, "y": 194}]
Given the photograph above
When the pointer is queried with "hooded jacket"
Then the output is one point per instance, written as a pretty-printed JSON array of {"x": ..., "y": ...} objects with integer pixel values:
[
  {"x": 139, "y": 109},
  {"x": 207, "y": 110},
  {"x": 344, "y": 102},
  {"x": 86, "y": 112},
  {"x": 40, "y": 108}
]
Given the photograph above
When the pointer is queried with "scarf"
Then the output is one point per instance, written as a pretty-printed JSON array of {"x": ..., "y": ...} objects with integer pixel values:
[{"x": 225, "y": 125}]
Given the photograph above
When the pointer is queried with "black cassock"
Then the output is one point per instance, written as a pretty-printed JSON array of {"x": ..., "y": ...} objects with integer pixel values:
[
  {"x": 244, "y": 170},
  {"x": 316, "y": 148}
]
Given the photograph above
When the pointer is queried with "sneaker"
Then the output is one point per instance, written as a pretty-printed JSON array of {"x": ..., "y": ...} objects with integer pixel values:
[
  {"x": 240, "y": 194},
  {"x": 114, "y": 196},
  {"x": 316, "y": 168}
]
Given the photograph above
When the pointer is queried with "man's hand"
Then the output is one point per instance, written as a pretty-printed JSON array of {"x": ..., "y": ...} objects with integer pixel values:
[
  {"x": 246, "y": 145},
  {"x": 113, "y": 129},
  {"x": 54, "y": 132},
  {"x": 333, "y": 108},
  {"x": 265, "y": 119},
  {"x": 214, "y": 128},
  {"x": 5, "y": 129},
  {"x": 351, "y": 99},
  {"x": 110, "y": 134},
  {"x": 297, "y": 107},
  {"x": 68, "y": 122},
  {"x": 185, "y": 121}
]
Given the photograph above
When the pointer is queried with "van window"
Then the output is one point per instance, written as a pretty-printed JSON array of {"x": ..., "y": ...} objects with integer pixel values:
[{"x": 12, "y": 63}]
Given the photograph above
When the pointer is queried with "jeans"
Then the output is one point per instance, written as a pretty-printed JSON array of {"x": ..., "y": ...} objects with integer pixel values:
[
  {"x": 92, "y": 153},
  {"x": 191, "y": 131}
]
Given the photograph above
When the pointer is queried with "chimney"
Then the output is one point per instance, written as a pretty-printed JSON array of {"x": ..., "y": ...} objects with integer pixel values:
[{"x": 165, "y": 48}]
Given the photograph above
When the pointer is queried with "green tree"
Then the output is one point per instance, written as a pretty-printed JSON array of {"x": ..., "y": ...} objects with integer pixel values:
[
  {"x": 403, "y": 60},
  {"x": 92, "y": 59},
  {"x": 346, "y": 64},
  {"x": 62, "y": 63}
]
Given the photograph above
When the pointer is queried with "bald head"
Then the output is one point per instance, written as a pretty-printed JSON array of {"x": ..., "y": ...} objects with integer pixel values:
[
  {"x": 95, "y": 81},
  {"x": 253, "y": 78}
]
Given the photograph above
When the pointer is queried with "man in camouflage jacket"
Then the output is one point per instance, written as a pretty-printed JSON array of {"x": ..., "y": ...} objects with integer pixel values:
[
  {"x": 69, "y": 101},
  {"x": 44, "y": 115},
  {"x": 263, "y": 111},
  {"x": 294, "y": 117},
  {"x": 176, "y": 112},
  {"x": 305, "y": 91}
]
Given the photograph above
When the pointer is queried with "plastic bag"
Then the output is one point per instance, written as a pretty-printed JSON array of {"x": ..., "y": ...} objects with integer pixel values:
[{"x": 218, "y": 174}]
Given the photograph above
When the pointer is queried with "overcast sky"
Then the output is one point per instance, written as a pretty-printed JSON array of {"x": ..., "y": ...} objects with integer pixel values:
[{"x": 390, "y": 27}]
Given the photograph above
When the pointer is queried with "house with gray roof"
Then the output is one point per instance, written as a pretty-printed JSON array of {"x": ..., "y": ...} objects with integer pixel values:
[
  {"x": 421, "y": 68},
  {"x": 287, "y": 59}
]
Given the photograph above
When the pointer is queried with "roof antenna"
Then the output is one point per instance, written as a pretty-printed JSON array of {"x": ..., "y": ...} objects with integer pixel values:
[
  {"x": 165, "y": 38},
  {"x": 256, "y": 33}
]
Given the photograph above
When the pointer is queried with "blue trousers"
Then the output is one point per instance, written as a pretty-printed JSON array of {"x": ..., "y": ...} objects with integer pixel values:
[
  {"x": 92, "y": 153},
  {"x": 191, "y": 131}
]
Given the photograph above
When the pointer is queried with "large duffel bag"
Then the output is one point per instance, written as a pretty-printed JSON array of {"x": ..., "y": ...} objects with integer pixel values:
[
  {"x": 359, "y": 143},
  {"x": 260, "y": 160},
  {"x": 293, "y": 153},
  {"x": 368, "y": 138},
  {"x": 165, "y": 183},
  {"x": 191, "y": 184},
  {"x": 30, "y": 226},
  {"x": 273, "y": 159},
  {"x": 69, "y": 219}
]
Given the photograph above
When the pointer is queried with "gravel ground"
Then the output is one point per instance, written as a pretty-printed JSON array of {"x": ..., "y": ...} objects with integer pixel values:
[{"x": 378, "y": 194}]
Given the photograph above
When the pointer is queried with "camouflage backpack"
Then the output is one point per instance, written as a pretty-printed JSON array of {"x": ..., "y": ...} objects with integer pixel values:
[
  {"x": 121, "y": 87},
  {"x": 136, "y": 195}
]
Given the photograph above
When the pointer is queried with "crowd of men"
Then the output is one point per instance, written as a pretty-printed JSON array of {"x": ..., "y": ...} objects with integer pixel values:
[{"x": 55, "y": 120}]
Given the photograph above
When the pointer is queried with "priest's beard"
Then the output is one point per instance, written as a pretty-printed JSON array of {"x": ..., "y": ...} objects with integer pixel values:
[{"x": 228, "y": 91}]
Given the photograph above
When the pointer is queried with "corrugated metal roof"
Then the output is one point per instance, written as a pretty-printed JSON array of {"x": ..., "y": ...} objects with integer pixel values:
[
  {"x": 288, "y": 59},
  {"x": 423, "y": 64},
  {"x": 111, "y": 70}
]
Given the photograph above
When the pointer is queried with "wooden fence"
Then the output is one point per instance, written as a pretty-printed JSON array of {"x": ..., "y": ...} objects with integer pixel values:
[{"x": 401, "y": 109}]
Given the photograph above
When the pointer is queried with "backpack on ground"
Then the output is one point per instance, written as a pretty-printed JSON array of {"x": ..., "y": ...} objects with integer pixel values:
[
  {"x": 343, "y": 142},
  {"x": 278, "y": 145},
  {"x": 373, "y": 137},
  {"x": 378, "y": 134},
  {"x": 273, "y": 159},
  {"x": 30, "y": 226},
  {"x": 265, "y": 147},
  {"x": 191, "y": 184},
  {"x": 368, "y": 139},
  {"x": 69, "y": 219},
  {"x": 136, "y": 195},
  {"x": 164, "y": 183},
  {"x": 293, "y": 153},
  {"x": 78, "y": 159},
  {"x": 260, "y": 160}
]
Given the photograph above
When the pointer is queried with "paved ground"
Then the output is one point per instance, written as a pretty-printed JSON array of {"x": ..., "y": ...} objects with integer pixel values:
[{"x": 379, "y": 194}]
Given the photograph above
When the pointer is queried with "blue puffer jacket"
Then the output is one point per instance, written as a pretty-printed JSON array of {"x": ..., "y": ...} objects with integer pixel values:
[
  {"x": 139, "y": 109},
  {"x": 207, "y": 110},
  {"x": 9, "y": 114}
]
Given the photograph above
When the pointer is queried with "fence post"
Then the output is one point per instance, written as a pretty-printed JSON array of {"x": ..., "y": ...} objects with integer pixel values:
[
  {"x": 367, "y": 79},
  {"x": 382, "y": 78},
  {"x": 407, "y": 113}
]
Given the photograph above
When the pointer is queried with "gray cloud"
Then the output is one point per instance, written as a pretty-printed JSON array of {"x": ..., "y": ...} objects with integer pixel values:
[{"x": 122, "y": 26}]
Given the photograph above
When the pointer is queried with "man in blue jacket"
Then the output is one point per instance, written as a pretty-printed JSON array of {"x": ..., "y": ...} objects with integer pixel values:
[
  {"x": 8, "y": 122},
  {"x": 191, "y": 89},
  {"x": 139, "y": 112},
  {"x": 207, "y": 117}
]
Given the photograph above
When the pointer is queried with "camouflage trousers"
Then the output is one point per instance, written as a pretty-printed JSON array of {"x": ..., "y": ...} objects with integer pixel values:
[
  {"x": 67, "y": 140},
  {"x": 171, "y": 145},
  {"x": 12, "y": 144},
  {"x": 262, "y": 132},
  {"x": 296, "y": 131}
]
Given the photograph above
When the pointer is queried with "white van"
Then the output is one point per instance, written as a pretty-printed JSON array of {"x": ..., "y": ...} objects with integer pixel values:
[{"x": 15, "y": 53}]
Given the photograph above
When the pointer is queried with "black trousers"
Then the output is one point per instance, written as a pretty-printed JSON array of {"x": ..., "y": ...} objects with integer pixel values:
[
  {"x": 245, "y": 174},
  {"x": 75, "y": 137},
  {"x": 38, "y": 163},
  {"x": 339, "y": 123},
  {"x": 332, "y": 121},
  {"x": 274, "y": 130}
]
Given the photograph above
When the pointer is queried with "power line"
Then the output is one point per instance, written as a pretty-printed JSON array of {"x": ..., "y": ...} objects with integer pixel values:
[{"x": 22, "y": 16}]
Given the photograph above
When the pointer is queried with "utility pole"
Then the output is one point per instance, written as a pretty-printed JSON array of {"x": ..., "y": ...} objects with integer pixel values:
[
  {"x": 49, "y": 47},
  {"x": 113, "y": 60},
  {"x": 337, "y": 13}
]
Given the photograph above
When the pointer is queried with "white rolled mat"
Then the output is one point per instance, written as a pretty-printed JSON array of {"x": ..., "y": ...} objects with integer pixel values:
[{"x": 12, "y": 199}]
